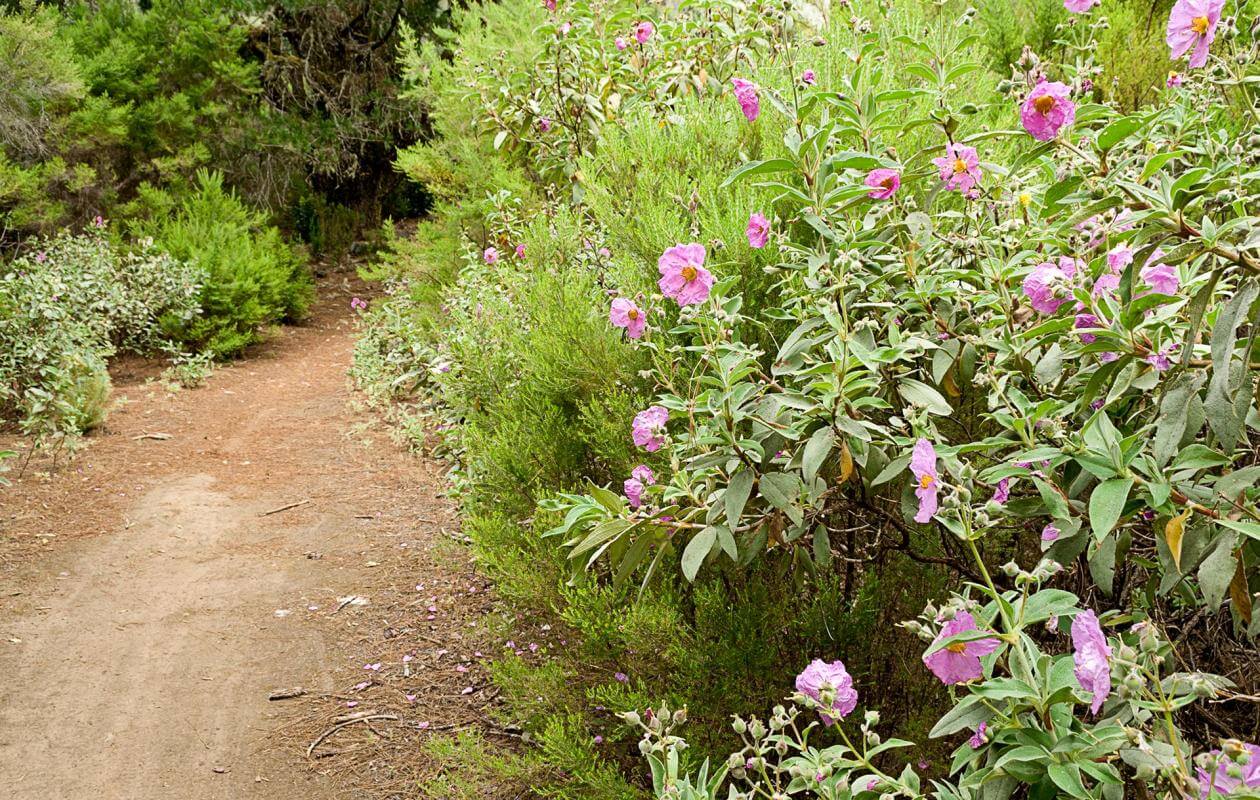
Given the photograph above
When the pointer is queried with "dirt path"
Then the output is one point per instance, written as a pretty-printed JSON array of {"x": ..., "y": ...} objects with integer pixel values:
[{"x": 149, "y": 603}]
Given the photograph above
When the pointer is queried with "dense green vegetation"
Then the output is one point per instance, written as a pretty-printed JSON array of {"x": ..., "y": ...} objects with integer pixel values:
[
  {"x": 562, "y": 167},
  {"x": 227, "y": 141},
  {"x": 890, "y": 237}
]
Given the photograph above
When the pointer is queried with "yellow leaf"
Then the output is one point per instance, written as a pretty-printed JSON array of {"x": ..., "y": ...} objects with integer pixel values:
[
  {"x": 846, "y": 462},
  {"x": 1239, "y": 593},
  {"x": 950, "y": 385},
  {"x": 1173, "y": 531}
]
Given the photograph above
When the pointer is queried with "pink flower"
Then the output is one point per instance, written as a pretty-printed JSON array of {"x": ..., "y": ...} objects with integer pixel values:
[
  {"x": 1086, "y": 321},
  {"x": 643, "y": 31},
  {"x": 565, "y": 27},
  {"x": 41, "y": 257},
  {"x": 1080, "y": 6},
  {"x": 959, "y": 662},
  {"x": 1119, "y": 257},
  {"x": 1003, "y": 491},
  {"x": 491, "y": 255},
  {"x": 1049, "y": 533},
  {"x": 1192, "y": 24},
  {"x": 358, "y": 304},
  {"x": 834, "y": 680},
  {"x": 960, "y": 167},
  {"x": 1091, "y": 655},
  {"x": 1047, "y": 286},
  {"x": 923, "y": 467},
  {"x": 621, "y": 43},
  {"x": 550, "y": 5},
  {"x": 808, "y": 77},
  {"x": 625, "y": 314},
  {"x": 643, "y": 473},
  {"x": 98, "y": 221},
  {"x": 1221, "y": 783},
  {"x": 633, "y": 488},
  {"x": 604, "y": 252},
  {"x": 1162, "y": 361},
  {"x": 1106, "y": 285},
  {"x": 746, "y": 96},
  {"x": 1161, "y": 277},
  {"x": 683, "y": 276},
  {"x": 544, "y": 124},
  {"x": 884, "y": 183},
  {"x": 980, "y": 738},
  {"x": 1048, "y": 109},
  {"x": 648, "y": 428},
  {"x": 621, "y": 677},
  {"x": 758, "y": 230},
  {"x": 1175, "y": 80},
  {"x": 520, "y": 251}
]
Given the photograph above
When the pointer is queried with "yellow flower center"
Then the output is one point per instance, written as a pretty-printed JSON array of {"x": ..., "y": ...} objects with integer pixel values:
[
  {"x": 1044, "y": 104},
  {"x": 957, "y": 647},
  {"x": 689, "y": 273},
  {"x": 1025, "y": 199},
  {"x": 633, "y": 313},
  {"x": 1199, "y": 25},
  {"x": 926, "y": 481},
  {"x": 960, "y": 165}
]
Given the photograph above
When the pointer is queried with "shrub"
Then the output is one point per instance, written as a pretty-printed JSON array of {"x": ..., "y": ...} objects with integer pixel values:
[
  {"x": 252, "y": 276},
  {"x": 870, "y": 299},
  {"x": 69, "y": 305}
]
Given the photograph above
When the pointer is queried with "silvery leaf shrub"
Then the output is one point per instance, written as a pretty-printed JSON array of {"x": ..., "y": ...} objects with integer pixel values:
[{"x": 67, "y": 305}]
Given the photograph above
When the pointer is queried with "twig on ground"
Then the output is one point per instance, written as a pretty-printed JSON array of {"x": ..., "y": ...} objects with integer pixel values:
[
  {"x": 365, "y": 718},
  {"x": 284, "y": 508}
]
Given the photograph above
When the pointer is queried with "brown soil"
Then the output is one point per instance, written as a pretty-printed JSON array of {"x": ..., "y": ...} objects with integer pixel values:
[{"x": 150, "y": 603}]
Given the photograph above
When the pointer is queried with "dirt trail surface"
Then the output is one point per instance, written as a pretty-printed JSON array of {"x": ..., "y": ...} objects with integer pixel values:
[{"x": 200, "y": 554}]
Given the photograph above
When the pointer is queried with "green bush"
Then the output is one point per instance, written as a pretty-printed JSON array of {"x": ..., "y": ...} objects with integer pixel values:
[{"x": 252, "y": 276}]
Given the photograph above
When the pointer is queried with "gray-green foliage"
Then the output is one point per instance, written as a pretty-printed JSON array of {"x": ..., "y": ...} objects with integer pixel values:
[{"x": 65, "y": 308}]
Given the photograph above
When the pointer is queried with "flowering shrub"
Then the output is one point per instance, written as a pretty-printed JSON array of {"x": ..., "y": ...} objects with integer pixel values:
[
  {"x": 1053, "y": 349},
  {"x": 835, "y": 325},
  {"x": 67, "y": 306},
  {"x": 1068, "y": 337},
  {"x": 1045, "y": 720}
]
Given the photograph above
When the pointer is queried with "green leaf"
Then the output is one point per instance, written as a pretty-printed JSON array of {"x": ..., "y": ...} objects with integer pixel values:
[
  {"x": 920, "y": 394},
  {"x": 1102, "y": 564},
  {"x": 1251, "y": 529},
  {"x": 736, "y": 496},
  {"x": 1222, "y": 413},
  {"x": 1217, "y": 570},
  {"x": 780, "y": 489},
  {"x": 697, "y": 551},
  {"x": 816, "y": 451},
  {"x": 1105, "y": 504},
  {"x": 1117, "y": 130},
  {"x": 1174, "y": 412},
  {"x": 758, "y": 168},
  {"x": 1068, "y": 778},
  {"x": 967, "y": 714},
  {"x": 726, "y": 540}
]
